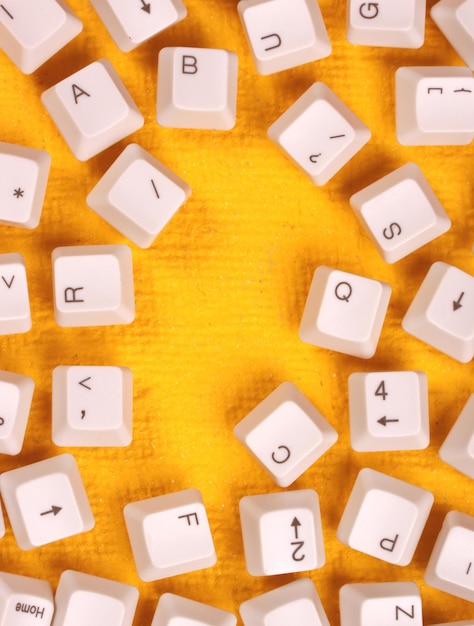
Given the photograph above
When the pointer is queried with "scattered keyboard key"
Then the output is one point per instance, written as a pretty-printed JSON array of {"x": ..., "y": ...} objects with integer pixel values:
[
  {"x": 384, "y": 517},
  {"x": 284, "y": 33},
  {"x": 2, "y": 523},
  {"x": 400, "y": 212},
  {"x": 282, "y": 532},
  {"x": 173, "y": 609},
  {"x": 93, "y": 285},
  {"x": 16, "y": 394},
  {"x": 458, "y": 448},
  {"x": 25, "y": 600},
  {"x": 455, "y": 19},
  {"x": 15, "y": 315},
  {"x": 92, "y": 109}
]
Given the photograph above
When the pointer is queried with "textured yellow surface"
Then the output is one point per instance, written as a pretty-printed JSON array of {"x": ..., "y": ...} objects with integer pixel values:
[{"x": 219, "y": 298}]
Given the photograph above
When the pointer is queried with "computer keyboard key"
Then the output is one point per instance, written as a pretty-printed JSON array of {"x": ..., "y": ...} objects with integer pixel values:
[
  {"x": 32, "y": 31},
  {"x": 46, "y": 501},
  {"x": 138, "y": 195},
  {"x": 284, "y": 33},
  {"x": 93, "y": 285},
  {"x": 25, "y": 600},
  {"x": 296, "y": 602},
  {"x": 86, "y": 599},
  {"x": 197, "y": 88},
  {"x": 16, "y": 394},
  {"x": 434, "y": 106},
  {"x": 15, "y": 314},
  {"x": 400, "y": 212},
  {"x": 384, "y": 517},
  {"x": 455, "y": 19},
  {"x": 92, "y": 405},
  {"x": 173, "y": 609},
  {"x": 442, "y": 312},
  {"x": 282, "y": 532},
  {"x": 92, "y": 109},
  {"x": 285, "y": 433},
  {"x": 344, "y": 312},
  {"x": 458, "y": 448},
  {"x": 132, "y": 23}
]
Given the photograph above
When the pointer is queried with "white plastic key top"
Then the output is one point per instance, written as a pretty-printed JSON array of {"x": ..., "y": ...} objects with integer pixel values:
[
  {"x": 458, "y": 448},
  {"x": 173, "y": 610},
  {"x": 400, "y": 212},
  {"x": 319, "y": 133},
  {"x": 384, "y": 517},
  {"x": 92, "y": 600},
  {"x": 93, "y": 285},
  {"x": 132, "y": 23},
  {"x": 170, "y": 535},
  {"x": 138, "y": 195},
  {"x": 32, "y": 31},
  {"x": 92, "y": 109},
  {"x": 15, "y": 315},
  {"x": 442, "y": 311},
  {"x": 282, "y": 532},
  {"x": 284, "y": 33},
  {"x": 46, "y": 501},
  {"x": 344, "y": 312},
  {"x": 455, "y": 19},
  {"x": 434, "y": 106},
  {"x": 16, "y": 394},
  {"x": 25, "y": 601},
  {"x": 285, "y": 433}
]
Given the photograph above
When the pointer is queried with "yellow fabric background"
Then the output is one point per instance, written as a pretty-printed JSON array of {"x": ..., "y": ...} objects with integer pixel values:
[{"x": 219, "y": 298}]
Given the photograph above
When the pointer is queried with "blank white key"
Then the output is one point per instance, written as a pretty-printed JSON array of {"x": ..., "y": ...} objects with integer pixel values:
[
  {"x": 442, "y": 312},
  {"x": 25, "y": 600},
  {"x": 32, "y": 31},
  {"x": 383, "y": 23},
  {"x": 93, "y": 285},
  {"x": 173, "y": 610},
  {"x": 197, "y": 88},
  {"x": 458, "y": 448},
  {"x": 384, "y": 517},
  {"x": 297, "y": 602},
  {"x": 23, "y": 179},
  {"x": 16, "y": 394},
  {"x": 387, "y": 603},
  {"x": 455, "y": 19},
  {"x": 284, "y": 33},
  {"x": 319, "y": 133},
  {"x": 285, "y": 433},
  {"x": 170, "y": 535},
  {"x": 344, "y": 312},
  {"x": 138, "y": 195},
  {"x": 400, "y": 212},
  {"x": 451, "y": 564},
  {"x": 92, "y": 109},
  {"x": 282, "y": 532},
  {"x": 434, "y": 106},
  {"x": 388, "y": 411},
  {"x": 92, "y": 405},
  {"x": 92, "y": 600},
  {"x": 132, "y": 23},
  {"x": 46, "y": 501},
  {"x": 15, "y": 315}
]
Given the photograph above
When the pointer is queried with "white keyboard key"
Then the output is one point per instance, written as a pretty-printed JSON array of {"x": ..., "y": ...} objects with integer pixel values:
[
  {"x": 23, "y": 179},
  {"x": 173, "y": 610},
  {"x": 468, "y": 622},
  {"x": 344, "y": 312},
  {"x": 400, "y": 212},
  {"x": 319, "y": 133},
  {"x": 92, "y": 600},
  {"x": 15, "y": 314},
  {"x": 383, "y": 23},
  {"x": 92, "y": 109},
  {"x": 387, "y": 603},
  {"x": 16, "y": 394},
  {"x": 46, "y": 501},
  {"x": 442, "y": 312},
  {"x": 92, "y": 405},
  {"x": 284, "y": 33},
  {"x": 451, "y": 564},
  {"x": 32, "y": 31},
  {"x": 455, "y": 19},
  {"x": 132, "y": 23},
  {"x": 458, "y": 448},
  {"x": 93, "y": 285},
  {"x": 285, "y": 433},
  {"x": 197, "y": 88},
  {"x": 170, "y": 535},
  {"x": 434, "y": 106},
  {"x": 384, "y": 517},
  {"x": 297, "y": 602},
  {"x": 25, "y": 600},
  {"x": 2, "y": 523},
  {"x": 388, "y": 411},
  {"x": 282, "y": 532},
  {"x": 138, "y": 195}
]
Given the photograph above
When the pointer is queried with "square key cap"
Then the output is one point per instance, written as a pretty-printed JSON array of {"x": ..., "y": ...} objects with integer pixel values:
[
  {"x": 25, "y": 600},
  {"x": 16, "y": 394},
  {"x": 458, "y": 448},
  {"x": 173, "y": 610},
  {"x": 455, "y": 19},
  {"x": 15, "y": 314}
]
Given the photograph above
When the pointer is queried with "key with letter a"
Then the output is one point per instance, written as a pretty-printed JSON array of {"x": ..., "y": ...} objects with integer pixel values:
[
  {"x": 173, "y": 609},
  {"x": 15, "y": 315},
  {"x": 25, "y": 601},
  {"x": 455, "y": 19}
]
